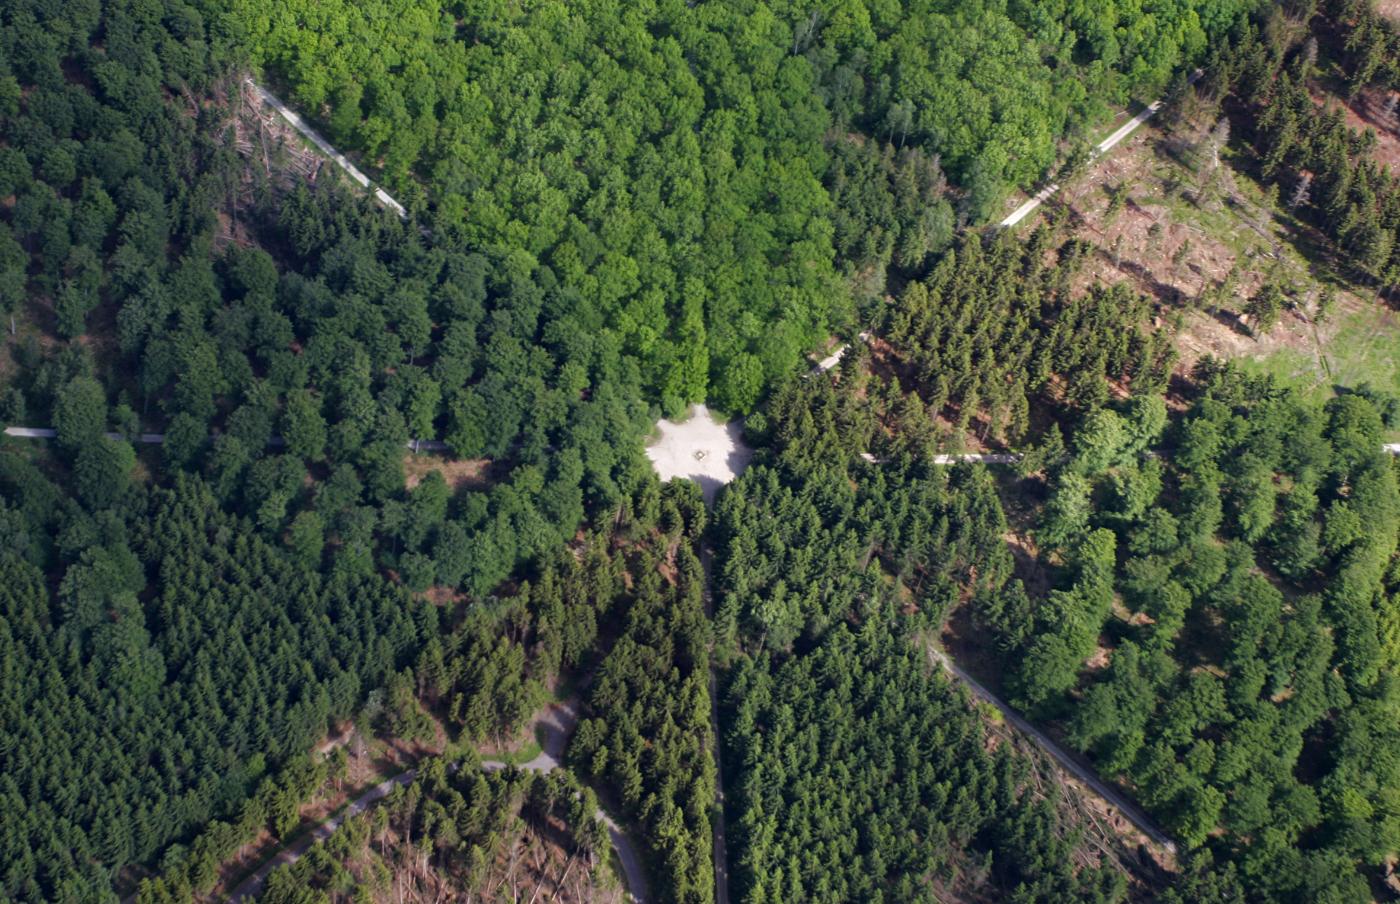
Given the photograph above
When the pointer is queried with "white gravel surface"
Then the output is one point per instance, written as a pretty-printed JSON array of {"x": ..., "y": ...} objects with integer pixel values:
[{"x": 701, "y": 449}]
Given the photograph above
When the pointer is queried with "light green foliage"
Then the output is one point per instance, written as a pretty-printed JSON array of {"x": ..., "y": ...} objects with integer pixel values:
[
  {"x": 666, "y": 159},
  {"x": 1254, "y": 571},
  {"x": 611, "y": 203},
  {"x": 614, "y": 144}
]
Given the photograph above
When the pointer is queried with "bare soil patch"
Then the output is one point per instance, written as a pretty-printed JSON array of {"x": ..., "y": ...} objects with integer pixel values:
[
  {"x": 457, "y": 472},
  {"x": 1178, "y": 233},
  {"x": 443, "y": 596},
  {"x": 534, "y": 862}
]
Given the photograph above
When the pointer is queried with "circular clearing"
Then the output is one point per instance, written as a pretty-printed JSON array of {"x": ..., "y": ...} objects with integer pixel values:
[{"x": 700, "y": 448}]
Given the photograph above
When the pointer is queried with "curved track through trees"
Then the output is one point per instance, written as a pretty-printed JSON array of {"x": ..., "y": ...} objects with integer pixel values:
[{"x": 554, "y": 726}]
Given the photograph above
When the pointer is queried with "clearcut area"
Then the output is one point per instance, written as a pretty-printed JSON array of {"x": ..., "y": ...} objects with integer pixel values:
[{"x": 700, "y": 448}]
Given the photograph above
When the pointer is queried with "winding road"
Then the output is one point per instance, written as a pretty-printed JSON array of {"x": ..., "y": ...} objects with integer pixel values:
[{"x": 555, "y": 725}]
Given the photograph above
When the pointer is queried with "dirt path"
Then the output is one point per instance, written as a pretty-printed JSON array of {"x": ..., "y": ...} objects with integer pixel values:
[
  {"x": 252, "y": 886},
  {"x": 721, "y": 849},
  {"x": 1066, "y": 760}
]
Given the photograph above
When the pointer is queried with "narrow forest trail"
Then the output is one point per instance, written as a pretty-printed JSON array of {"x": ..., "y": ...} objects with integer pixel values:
[
  {"x": 721, "y": 849},
  {"x": 1064, "y": 758},
  {"x": 554, "y": 724}
]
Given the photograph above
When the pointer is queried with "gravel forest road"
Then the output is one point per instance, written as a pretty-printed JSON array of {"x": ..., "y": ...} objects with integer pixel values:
[
  {"x": 1103, "y": 147},
  {"x": 1066, "y": 760},
  {"x": 555, "y": 724},
  {"x": 252, "y": 886}
]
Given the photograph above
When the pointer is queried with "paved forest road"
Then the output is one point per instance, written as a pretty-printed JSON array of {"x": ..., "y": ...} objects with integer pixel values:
[
  {"x": 324, "y": 146},
  {"x": 555, "y": 724},
  {"x": 1103, "y": 147},
  {"x": 1072, "y": 765}
]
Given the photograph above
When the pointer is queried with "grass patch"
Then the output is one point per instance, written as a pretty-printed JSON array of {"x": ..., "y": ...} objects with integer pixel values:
[{"x": 1362, "y": 347}]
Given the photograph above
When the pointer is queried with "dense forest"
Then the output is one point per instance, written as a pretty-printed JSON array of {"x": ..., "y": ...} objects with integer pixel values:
[
  {"x": 864, "y": 774},
  {"x": 1241, "y": 591},
  {"x": 614, "y": 210},
  {"x": 1326, "y": 172},
  {"x": 212, "y": 660},
  {"x": 647, "y": 722},
  {"x": 997, "y": 330},
  {"x": 177, "y": 657},
  {"x": 290, "y": 373},
  {"x": 687, "y": 169}
]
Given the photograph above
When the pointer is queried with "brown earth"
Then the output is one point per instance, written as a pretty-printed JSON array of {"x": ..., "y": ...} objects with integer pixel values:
[
  {"x": 369, "y": 763},
  {"x": 457, "y": 472},
  {"x": 534, "y": 864},
  {"x": 1179, "y": 232}
]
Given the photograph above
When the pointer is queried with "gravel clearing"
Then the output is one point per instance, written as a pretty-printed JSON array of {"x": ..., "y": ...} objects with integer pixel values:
[{"x": 701, "y": 449}]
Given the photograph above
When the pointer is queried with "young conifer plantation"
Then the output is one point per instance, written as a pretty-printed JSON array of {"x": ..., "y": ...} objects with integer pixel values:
[{"x": 327, "y": 533}]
